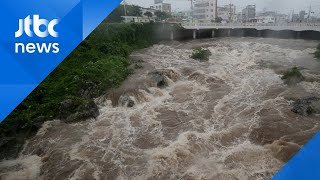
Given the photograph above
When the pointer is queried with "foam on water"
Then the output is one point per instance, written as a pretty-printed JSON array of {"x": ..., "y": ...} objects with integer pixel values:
[{"x": 199, "y": 127}]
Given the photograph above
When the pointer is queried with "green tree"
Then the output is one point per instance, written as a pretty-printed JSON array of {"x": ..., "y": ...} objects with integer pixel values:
[
  {"x": 115, "y": 16},
  {"x": 133, "y": 10},
  {"x": 162, "y": 15},
  {"x": 148, "y": 14}
]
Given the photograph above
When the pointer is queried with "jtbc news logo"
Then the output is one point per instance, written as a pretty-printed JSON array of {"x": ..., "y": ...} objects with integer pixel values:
[{"x": 41, "y": 28}]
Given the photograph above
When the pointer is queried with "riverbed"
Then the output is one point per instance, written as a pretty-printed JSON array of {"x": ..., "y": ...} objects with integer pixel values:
[{"x": 228, "y": 118}]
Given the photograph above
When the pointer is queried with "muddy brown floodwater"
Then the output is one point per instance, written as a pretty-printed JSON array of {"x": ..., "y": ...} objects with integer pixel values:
[{"x": 228, "y": 118}]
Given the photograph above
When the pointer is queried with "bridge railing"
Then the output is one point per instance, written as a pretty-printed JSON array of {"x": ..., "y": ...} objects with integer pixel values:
[{"x": 252, "y": 24}]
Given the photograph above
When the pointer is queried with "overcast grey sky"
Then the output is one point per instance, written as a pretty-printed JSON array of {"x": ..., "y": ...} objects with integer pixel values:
[{"x": 284, "y": 6}]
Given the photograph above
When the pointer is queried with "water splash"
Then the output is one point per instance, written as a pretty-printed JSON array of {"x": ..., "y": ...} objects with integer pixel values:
[{"x": 227, "y": 118}]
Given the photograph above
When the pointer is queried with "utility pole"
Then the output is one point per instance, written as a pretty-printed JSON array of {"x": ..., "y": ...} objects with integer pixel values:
[
  {"x": 230, "y": 11},
  {"x": 309, "y": 13},
  {"x": 125, "y": 11},
  {"x": 191, "y": 9},
  {"x": 292, "y": 15},
  {"x": 216, "y": 9},
  {"x": 191, "y": 4}
]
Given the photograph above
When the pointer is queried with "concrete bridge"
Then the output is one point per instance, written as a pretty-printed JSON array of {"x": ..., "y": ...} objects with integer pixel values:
[
  {"x": 275, "y": 27},
  {"x": 300, "y": 27}
]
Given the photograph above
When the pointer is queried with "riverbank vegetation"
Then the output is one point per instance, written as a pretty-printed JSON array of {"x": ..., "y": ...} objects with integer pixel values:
[
  {"x": 132, "y": 10},
  {"x": 292, "y": 76},
  {"x": 99, "y": 63},
  {"x": 201, "y": 54},
  {"x": 317, "y": 53},
  {"x": 116, "y": 15}
]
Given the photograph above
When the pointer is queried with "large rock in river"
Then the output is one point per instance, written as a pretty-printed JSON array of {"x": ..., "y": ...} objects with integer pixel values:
[{"x": 307, "y": 106}]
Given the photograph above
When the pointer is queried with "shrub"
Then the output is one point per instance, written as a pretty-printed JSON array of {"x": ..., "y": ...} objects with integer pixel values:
[
  {"x": 292, "y": 76},
  {"x": 96, "y": 65},
  {"x": 115, "y": 49},
  {"x": 201, "y": 54},
  {"x": 317, "y": 54}
]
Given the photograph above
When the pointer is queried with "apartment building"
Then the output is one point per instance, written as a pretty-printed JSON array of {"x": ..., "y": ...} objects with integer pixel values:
[
  {"x": 160, "y": 5},
  {"x": 249, "y": 13},
  {"x": 205, "y": 10},
  {"x": 227, "y": 13}
]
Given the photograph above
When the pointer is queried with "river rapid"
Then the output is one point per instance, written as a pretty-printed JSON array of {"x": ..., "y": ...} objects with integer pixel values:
[{"x": 228, "y": 118}]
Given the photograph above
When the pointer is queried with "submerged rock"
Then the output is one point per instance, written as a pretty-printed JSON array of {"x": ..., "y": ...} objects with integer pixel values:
[
  {"x": 307, "y": 106},
  {"x": 126, "y": 101},
  {"x": 10, "y": 146},
  {"x": 160, "y": 77}
]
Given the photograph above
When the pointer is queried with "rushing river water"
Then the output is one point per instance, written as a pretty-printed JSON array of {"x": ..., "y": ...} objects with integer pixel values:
[{"x": 229, "y": 118}]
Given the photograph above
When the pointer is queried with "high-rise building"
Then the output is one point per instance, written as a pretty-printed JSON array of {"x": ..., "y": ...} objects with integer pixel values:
[
  {"x": 248, "y": 13},
  {"x": 205, "y": 10},
  {"x": 227, "y": 13},
  {"x": 159, "y": 5}
]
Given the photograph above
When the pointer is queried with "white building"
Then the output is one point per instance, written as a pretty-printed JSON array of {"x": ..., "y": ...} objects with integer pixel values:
[
  {"x": 265, "y": 19},
  {"x": 137, "y": 19},
  {"x": 282, "y": 18},
  {"x": 183, "y": 15},
  {"x": 159, "y": 5},
  {"x": 249, "y": 13},
  {"x": 227, "y": 13},
  {"x": 205, "y": 10}
]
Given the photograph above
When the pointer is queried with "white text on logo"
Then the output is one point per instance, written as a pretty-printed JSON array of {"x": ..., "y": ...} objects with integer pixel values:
[{"x": 31, "y": 26}]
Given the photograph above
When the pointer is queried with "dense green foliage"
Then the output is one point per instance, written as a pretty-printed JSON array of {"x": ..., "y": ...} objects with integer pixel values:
[
  {"x": 317, "y": 53},
  {"x": 97, "y": 64},
  {"x": 162, "y": 15},
  {"x": 115, "y": 16},
  {"x": 148, "y": 14},
  {"x": 201, "y": 54},
  {"x": 292, "y": 76}
]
